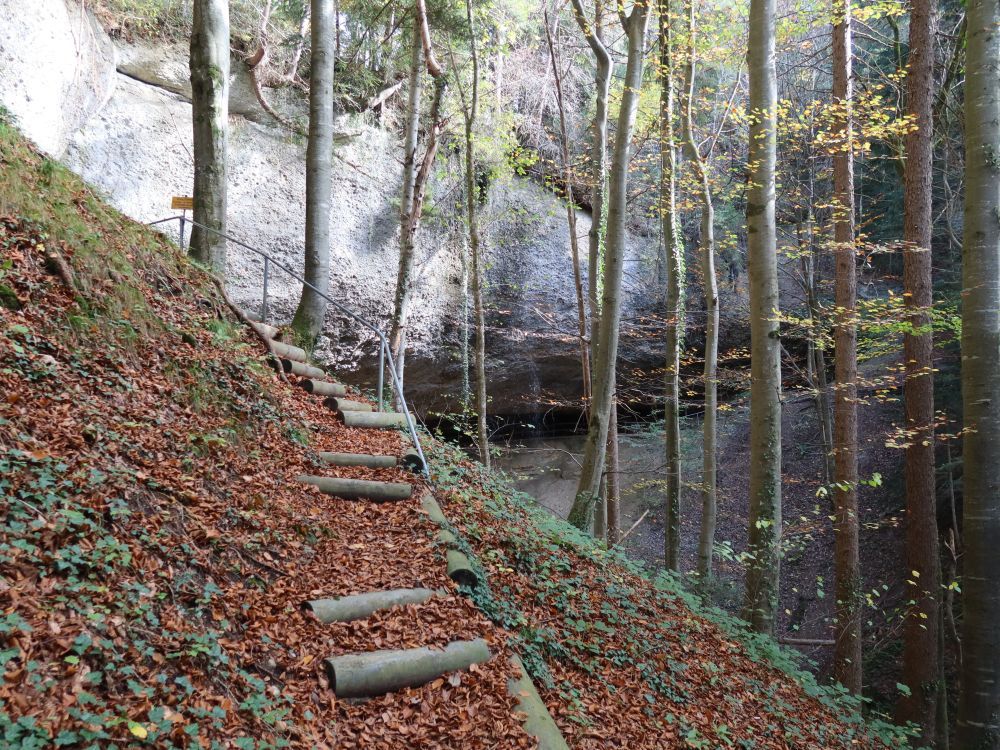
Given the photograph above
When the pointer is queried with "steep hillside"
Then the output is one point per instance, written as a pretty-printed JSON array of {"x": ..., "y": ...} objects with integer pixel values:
[{"x": 155, "y": 549}]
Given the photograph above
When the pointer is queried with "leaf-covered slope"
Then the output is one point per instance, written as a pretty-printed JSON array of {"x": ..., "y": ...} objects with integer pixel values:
[{"x": 155, "y": 550}]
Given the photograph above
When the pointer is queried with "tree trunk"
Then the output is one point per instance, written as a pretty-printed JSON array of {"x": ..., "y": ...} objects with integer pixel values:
[
  {"x": 574, "y": 245},
  {"x": 675, "y": 293},
  {"x": 210, "y": 118},
  {"x": 598, "y": 164},
  {"x": 847, "y": 567},
  {"x": 613, "y": 486},
  {"x": 582, "y": 513},
  {"x": 979, "y": 703},
  {"x": 706, "y": 541},
  {"x": 397, "y": 331},
  {"x": 763, "y": 573},
  {"x": 923, "y": 625},
  {"x": 310, "y": 314},
  {"x": 471, "y": 200}
]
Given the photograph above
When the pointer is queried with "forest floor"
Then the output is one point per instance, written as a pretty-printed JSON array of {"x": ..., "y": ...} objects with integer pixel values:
[{"x": 155, "y": 549}]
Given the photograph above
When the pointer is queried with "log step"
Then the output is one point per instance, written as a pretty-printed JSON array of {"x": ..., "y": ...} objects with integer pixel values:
[
  {"x": 324, "y": 388},
  {"x": 301, "y": 369},
  {"x": 536, "y": 719},
  {"x": 342, "y": 404},
  {"x": 265, "y": 330},
  {"x": 383, "y": 420},
  {"x": 359, "y": 489},
  {"x": 410, "y": 460},
  {"x": 287, "y": 351},
  {"x": 381, "y": 672},
  {"x": 358, "y": 459},
  {"x": 360, "y": 606}
]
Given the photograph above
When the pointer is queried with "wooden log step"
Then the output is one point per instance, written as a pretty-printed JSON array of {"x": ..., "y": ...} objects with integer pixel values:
[
  {"x": 411, "y": 461},
  {"x": 301, "y": 369},
  {"x": 287, "y": 351},
  {"x": 360, "y": 606},
  {"x": 324, "y": 388},
  {"x": 252, "y": 316},
  {"x": 381, "y": 672},
  {"x": 342, "y": 404},
  {"x": 536, "y": 719},
  {"x": 460, "y": 569},
  {"x": 359, "y": 489},
  {"x": 358, "y": 459},
  {"x": 265, "y": 330},
  {"x": 383, "y": 420}
]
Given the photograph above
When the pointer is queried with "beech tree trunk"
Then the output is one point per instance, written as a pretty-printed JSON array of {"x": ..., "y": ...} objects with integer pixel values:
[
  {"x": 979, "y": 702},
  {"x": 574, "y": 245},
  {"x": 923, "y": 626},
  {"x": 210, "y": 117},
  {"x": 582, "y": 513},
  {"x": 414, "y": 179},
  {"x": 471, "y": 200},
  {"x": 310, "y": 314},
  {"x": 709, "y": 495},
  {"x": 847, "y": 566},
  {"x": 763, "y": 573},
  {"x": 674, "y": 250}
]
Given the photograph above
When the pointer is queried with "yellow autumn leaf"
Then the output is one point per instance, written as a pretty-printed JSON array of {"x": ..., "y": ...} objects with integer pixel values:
[{"x": 138, "y": 730}]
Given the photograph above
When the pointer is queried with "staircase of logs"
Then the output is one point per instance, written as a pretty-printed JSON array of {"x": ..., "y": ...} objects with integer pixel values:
[{"x": 365, "y": 675}]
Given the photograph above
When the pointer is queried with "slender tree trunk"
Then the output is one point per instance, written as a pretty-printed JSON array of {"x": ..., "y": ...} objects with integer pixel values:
[
  {"x": 675, "y": 292},
  {"x": 210, "y": 117},
  {"x": 309, "y": 317},
  {"x": 706, "y": 541},
  {"x": 923, "y": 630},
  {"x": 582, "y": 513},
  {"x": 397, "y": 329},
  {"x": 979, "y": 702},
  {"x": 581, "y": 310},
  {"x": 293, "y": 66},
  {"x": 847, "y": 567},
  {"x": 472, "y": 199},
  {"x": 613, "y": 485},
  {"x": 598, "y": 163},
  {"x": 763, "y": 574}
]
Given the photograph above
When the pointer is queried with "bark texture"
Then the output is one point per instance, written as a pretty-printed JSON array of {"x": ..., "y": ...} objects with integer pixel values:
[
  {"x": 923, "y": 627},
  {"x": 763, "y": 572},
  {"x": 674, "y": 250},
  {"x": 847, "y": 566},
  {"x": 310, "y": 314},
  {"x": 582, "y": 513},
  {"x": 979, "y": 702},
  {"x": 210, "y": 119},
  {"x": 706, "y": 251}
]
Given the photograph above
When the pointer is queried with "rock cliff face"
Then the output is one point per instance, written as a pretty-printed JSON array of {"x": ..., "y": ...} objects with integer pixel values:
[{"x": 119, "y": 115}]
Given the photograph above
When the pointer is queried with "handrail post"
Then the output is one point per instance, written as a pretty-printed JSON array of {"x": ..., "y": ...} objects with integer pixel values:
[
  {"x": 182, "y": 231},
  {"x": 381, "y": 373},
  {"x": 263, "y": 307}
]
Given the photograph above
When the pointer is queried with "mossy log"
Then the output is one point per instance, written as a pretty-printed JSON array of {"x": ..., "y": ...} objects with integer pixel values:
[
  {"x": 324, "y": 388},
  {"x": 360, "y": 606},
  {"x": 268, "y": 332},
  {"x": 537, "y": 720},
  {"x": 357, "y": 459},
  {"x": 344, "y": 404},
  {"x": 432, "y": 509},
  {"x": 359, "y": 489},
  {"x": 381, "y": 672},
  {"x": 302, "y": 369},
  {"x": 384, "y": 420},
  {"x": 287, "y": 351},
  {"x": 460, "y": 569}
]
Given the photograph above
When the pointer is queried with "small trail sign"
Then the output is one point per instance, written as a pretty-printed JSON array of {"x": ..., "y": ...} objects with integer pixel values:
[{"x": 182, "y": 202}]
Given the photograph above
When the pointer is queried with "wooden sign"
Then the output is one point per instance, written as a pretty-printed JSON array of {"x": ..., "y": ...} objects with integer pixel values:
[{"x": 183, "y": 202}]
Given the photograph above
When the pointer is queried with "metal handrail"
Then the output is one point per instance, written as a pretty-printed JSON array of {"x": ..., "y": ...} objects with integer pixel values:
[{"x": 385, "y": 353}]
